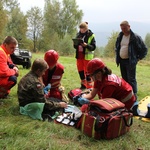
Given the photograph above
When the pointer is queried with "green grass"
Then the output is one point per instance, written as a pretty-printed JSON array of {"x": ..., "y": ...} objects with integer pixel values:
[{"x": 19, "y": 132}]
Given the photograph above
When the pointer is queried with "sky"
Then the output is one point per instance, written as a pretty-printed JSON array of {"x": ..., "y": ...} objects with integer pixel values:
[{"x": 101, "y": 11}]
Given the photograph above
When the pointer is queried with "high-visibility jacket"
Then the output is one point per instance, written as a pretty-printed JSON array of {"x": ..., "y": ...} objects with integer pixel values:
[
  {"x": 6, "y": 64},
  {"x": 89, "y": 54}
]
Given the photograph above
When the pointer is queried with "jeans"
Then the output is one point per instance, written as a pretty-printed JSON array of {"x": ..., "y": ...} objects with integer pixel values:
[{"x": 128, "y": 73}]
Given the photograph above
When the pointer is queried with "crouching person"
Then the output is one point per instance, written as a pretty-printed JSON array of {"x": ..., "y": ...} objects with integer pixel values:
[
  {"x": 107, "y": 85},
  {"x": 30, "y": 93},
  {"x": 8, "y": 71}
]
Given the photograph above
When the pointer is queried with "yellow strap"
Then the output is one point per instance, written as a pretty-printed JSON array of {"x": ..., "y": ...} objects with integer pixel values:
[
  {"x": 83, "y": 122},
  {"x": 120, "y": 127},
  {"x": 108, "y": 103},
  {"x": 4, "y": 52},
  {"x": 111, "y": 104},
  {"x": 93, "y": 129}
]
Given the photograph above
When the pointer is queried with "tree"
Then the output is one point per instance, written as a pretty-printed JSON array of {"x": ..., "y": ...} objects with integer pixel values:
[
  {"x": 147, "y": 40},
  {"x": 3, "y": 21},
  {"x": 17, "y": 23},
  {"x": 35, "y": 25},
  {"x": 63, "y": 17},
  {"x": 109, "y": 50}
]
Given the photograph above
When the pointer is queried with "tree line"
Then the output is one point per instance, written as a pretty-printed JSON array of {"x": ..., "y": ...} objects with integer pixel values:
[{"x": 50, "y": 28}]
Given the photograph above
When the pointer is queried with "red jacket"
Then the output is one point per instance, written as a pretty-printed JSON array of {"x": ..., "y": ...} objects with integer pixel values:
[
  {"x": 54, "y": 77},
  {"x": 114, "y": 87},
  {"x": 6, "y": 64}
]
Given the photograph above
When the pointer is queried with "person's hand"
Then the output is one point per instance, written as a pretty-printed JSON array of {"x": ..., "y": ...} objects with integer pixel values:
[
  {"x": 63, "y": 105},
  {"x": 47, "y": 88},
  {"x": 83, "y": 100},
  {"x": 84, "y": 44},
  {"x": 16, "y": 70}
]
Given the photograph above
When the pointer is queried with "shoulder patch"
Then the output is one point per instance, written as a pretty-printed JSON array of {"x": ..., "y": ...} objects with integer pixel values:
[{"x": 38, "y": 85}]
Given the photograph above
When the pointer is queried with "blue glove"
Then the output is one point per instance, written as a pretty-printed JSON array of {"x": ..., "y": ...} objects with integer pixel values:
[
  {"x": 69, "y": 108},
  {"x": 82, "y": 100},
  {"x": 47, "y": 88}
]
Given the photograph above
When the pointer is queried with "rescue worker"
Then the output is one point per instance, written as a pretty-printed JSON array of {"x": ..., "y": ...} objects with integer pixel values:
[
  {"x": 84, "y": 53},
  {"x": 53, "y": 74},
  {"x": 31, "y": 96},
  {"x": 8, "y": 71},
  {"x": 108, "y": 85}
]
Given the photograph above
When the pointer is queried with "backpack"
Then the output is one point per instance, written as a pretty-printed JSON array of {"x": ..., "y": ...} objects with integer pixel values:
[{"x": 106, "y": 119}]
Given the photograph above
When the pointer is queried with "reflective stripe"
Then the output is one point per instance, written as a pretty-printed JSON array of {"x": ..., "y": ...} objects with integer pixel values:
[
  {"x": 128, "y": 97},
  {"x": 83, "y": 122},
  {"x": 89, "y": 54},
  {"x": 83, "y": 125},
  {"x": 93, "y": 129},
  {"x": 108, "y": 103},
  {"x": 120, "y": 127},
  {"x": 4, "y": 52}
]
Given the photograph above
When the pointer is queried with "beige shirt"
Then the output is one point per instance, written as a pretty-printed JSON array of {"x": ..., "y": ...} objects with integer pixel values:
[{"x": 124, "y": 47}]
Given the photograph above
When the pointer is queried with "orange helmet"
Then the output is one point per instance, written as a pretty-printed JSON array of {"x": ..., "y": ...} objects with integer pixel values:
[
  {"x": 51, "y": 57},
  {"x": 94, "y": 65}
]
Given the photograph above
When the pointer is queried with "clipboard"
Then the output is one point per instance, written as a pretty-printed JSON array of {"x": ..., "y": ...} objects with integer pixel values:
[{"x": 77, "y": 41}]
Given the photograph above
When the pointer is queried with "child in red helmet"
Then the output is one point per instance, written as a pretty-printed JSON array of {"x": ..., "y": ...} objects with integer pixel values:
[
  {"x": 107, "y": 85},
  {"x": 53, "y": 75}
]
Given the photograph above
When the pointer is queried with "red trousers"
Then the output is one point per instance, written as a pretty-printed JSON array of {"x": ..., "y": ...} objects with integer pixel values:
[
  {"x": 82, "y": 64},
  {"x": 6, "y": 84}
]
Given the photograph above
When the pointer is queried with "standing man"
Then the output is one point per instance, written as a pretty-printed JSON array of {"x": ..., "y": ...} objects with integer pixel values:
[
  {"x": 84, "y": 53},
  {"x": 130, "y": 48},
  {"x": 8, "y": 71}
]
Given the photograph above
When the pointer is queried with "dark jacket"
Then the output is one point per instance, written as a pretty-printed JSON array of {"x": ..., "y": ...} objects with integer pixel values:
[
  {"x": 137, "y": 50},
  {"x": 91, "y": 46}
]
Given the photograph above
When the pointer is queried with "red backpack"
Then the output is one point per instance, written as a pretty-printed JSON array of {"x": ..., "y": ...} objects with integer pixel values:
[{"x": 106, "y": 119}]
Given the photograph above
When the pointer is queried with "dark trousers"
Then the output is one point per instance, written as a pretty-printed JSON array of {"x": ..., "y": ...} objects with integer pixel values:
[{"x": 128, "y": 73}]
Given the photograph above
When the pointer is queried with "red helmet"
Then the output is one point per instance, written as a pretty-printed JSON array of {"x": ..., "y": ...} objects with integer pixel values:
[
  {"x": 51, "y": 57},
  {"x": 94, "y": 65}
]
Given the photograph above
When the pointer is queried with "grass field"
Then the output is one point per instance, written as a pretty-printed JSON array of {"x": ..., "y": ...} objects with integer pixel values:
[{"x": 19, "y": 132}]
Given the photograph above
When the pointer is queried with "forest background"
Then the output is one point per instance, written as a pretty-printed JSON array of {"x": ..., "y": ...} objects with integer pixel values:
[{"x": 53, "y": 27}]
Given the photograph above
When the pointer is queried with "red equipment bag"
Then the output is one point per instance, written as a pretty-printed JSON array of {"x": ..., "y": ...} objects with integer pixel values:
[
  {"x": 106, "y": 119},
  {"x": 74, "y": 92}
]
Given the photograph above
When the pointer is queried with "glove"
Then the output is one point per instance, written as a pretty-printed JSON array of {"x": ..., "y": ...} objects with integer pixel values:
[
  {"x": 82, "y": 100},
  {"x": 69, "y": 108},
  {"x": 47, "y": 88}
]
